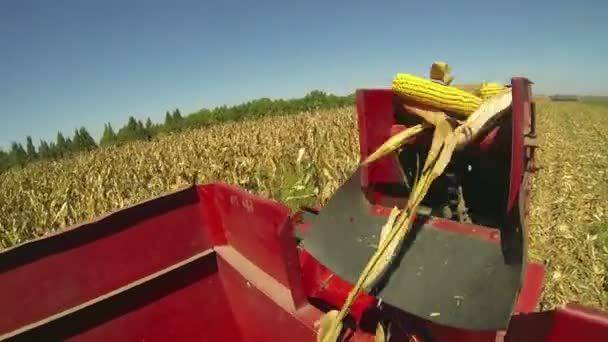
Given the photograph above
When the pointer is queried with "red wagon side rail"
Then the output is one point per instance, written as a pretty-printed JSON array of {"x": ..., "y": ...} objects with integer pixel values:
[{"x": 205, "y": 263}]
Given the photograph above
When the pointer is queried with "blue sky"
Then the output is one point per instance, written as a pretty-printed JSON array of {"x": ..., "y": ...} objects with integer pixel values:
[{"x": 65, "y": 64}]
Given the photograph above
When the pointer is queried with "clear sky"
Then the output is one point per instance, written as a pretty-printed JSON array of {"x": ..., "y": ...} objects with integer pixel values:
[{"x": 65, "y": 64}]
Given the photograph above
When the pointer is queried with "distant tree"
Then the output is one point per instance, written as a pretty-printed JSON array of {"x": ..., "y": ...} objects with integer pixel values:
[
  {"x": 177, "y": 116},
  {"x": 132, "y": 124},
  {"x": 168, "y": 120},
  {"x": 54, "y": 151},
  {"x": 149, "y": 129},
  {"x": 315, "y": 99},
  {"x": 4, "y": 161},
  {"x": 44, "y": 152},
  {"x": 87, "y": 142},
  {"x": 108, "y": 137},
  {"x": 140, "y": 126},
  {"x": 61, "y": 146},
  {"x": 77, "y": 142},
  {"x": 149, "y": 125},
  {"x": 30, "y": 149},
  {"x": 133, "y": 130},
  {"x": 17, "y": 156},
  {"x": 69, "y": 147},
  {"x": 174, "y": 121}
]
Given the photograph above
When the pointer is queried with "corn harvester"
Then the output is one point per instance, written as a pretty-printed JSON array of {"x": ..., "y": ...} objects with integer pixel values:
[{"x": 213, "y": 262}]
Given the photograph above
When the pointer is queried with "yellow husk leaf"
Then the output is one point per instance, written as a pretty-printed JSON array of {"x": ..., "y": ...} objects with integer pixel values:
[
  {"x": 427, "y": 115},
  {"x": 394, "y": 142},
  {"x": 483, "y": 118},
  {"x": 329, "y": 327},
  {"x": 390, "y": 251},
  {"x": 442, "y": 130},
  {"x": 380, "y": 334}
]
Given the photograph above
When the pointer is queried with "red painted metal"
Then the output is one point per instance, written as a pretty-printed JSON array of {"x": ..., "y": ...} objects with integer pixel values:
[
  {"x": 578, "y": 323},
  {"x": 480, "y": 232},
  {"x": 531, "y": 289},
  {"x": 97, "y": 257},
  {"x": 384, "y": 205},
  {"x": 322, "y": 284},
  {"x": 375, "y": 119},
  {"x": 522, "y": 96},
  {"x": 172, "y": 316},
  {"x": 215, "y": 263},
  {"x": 567, "y": 323},
  {"x": 271, "y": 245},
  {"x": 223, "y": 294},
  {"x": 235, "y": 292}
]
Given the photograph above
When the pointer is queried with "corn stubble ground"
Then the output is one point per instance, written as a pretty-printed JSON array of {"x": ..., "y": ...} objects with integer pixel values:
[{"x": 302, "y": 159}]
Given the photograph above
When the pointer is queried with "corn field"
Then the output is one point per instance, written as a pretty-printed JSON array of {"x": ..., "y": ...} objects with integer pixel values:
[{"x": 302, "y": 159}]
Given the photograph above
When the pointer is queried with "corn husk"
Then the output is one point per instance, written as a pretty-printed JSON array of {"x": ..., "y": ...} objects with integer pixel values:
[
  {"x": 393, "y": 245},
  {"x": 380, "y": 334},
  {"x": 394, "y": 142},
  {"x": 329, "y": 327}
]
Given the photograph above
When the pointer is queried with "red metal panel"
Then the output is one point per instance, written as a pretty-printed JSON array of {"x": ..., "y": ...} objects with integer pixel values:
[
  {"x": 195, "y": 310},
  {"x": 261, "y": 231},
  {"x": 448, "y": 334},
  {"x": 472, "y": 230},
  {"x": 384, "y": 205},
  {"x": 375, "y": 119},
  {"x": 210, "y": 216},
  {"x": 531, "y": 289},
  {"x": 532, "y": 327},
  {"x": 564, "y": 324},
  {"x": 262, "y": 306},
  {"x": 520, "y": 116},
  {"x": 579, "y": 323},
  {"x": 50, "y": 275},
  {"x": 323, "y": 284}
]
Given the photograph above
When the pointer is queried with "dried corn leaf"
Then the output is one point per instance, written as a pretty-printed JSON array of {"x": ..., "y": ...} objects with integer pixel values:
[
  {"x": 442, "y": 130},
  {"x": 445, "y": 156},
  {"x": 393, "y": 143},
  {"x": 427, "y": 115},
  {"x": 380, "y": 334},
  {"x": 387, "y": 254},
  {"x": 330, "y": 327},
  {"x": 484, "y": 117}
]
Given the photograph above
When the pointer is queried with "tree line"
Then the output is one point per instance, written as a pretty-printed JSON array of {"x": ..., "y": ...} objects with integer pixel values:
[{"x": 133, "y": 130}]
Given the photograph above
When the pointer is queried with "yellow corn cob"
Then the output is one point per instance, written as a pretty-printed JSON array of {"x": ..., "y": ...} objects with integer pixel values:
[
  {"x": 440, "y": 71},
  {"x": 469, "y": 88},
  {"x": 488, "y": 90},
  {"x": 436, "y": 95}
]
